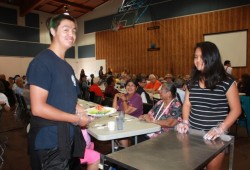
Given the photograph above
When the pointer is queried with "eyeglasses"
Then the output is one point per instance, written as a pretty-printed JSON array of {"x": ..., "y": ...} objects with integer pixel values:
[{"x": 163, "y": 90}]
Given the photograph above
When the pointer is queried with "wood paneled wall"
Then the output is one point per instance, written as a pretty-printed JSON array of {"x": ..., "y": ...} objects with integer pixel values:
[{"x": 176, "y": 38}]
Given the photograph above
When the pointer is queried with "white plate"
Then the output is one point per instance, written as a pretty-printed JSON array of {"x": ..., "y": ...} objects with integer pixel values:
[{"x": 94, "y": 112}]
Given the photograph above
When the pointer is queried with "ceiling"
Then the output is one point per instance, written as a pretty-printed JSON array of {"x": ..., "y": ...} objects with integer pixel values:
[{"x": 76, "y": 8}]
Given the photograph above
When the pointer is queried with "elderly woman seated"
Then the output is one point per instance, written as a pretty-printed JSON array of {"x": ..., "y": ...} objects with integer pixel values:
[{"x": 166, "y": 112}]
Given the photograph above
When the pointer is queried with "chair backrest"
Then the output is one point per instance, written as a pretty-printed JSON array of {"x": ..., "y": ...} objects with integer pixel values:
[
  {"x": 245, "y": 104},
  {"x": 91, "y": 96},
  {"x": 98, "y": 100},
  {"x": 146, "y": 108},
  {"x": 20, "y": 101},
  {"x": 108, "y": 101}
]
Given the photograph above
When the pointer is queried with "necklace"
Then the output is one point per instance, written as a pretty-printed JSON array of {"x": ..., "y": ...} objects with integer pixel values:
[{"x": 160, "y": 115}]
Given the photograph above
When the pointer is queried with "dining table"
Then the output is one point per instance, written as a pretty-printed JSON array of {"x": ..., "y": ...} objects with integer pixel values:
[
  {"x": 132, "y": 127},
  {"x": 171, "y": 150}
]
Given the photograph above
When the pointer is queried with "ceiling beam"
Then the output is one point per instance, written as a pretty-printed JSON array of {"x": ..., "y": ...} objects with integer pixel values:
[
  {"x": 30, "y": 5},
  {"x": 75, "y": 5}
]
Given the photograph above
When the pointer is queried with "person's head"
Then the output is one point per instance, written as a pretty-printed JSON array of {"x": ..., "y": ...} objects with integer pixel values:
[
  {"x": 179, "y": 82},
  {"x": 101, "y": 68},
  {"x": 2, "y": 77},
  {"x": 83, "y": 78},
  {"x": 62, "y": 28},
  {"x": 207, "y": 64},
  {"x": 131, "y": 86},
  {"x": 11, "y": 80},
  {"x": 168, "y": 77},
  {"x": 141, "y": 81},
  {"x": 152, "y": 78},
  {"x": 92, "y": 76},
  {"x": 110, "y": 81},
  {"x": 227, "y": 63},
  {"x": 20, "y": 82},
  {"x": 167, "y": 91},
  {"x": 96, "y": 80}
]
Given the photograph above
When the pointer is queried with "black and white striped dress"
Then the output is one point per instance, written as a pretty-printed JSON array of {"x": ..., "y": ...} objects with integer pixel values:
[{"x": 208, "y": 107}]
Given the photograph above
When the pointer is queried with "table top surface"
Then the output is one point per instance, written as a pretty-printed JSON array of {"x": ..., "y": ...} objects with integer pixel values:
[
  {"x": 170, "y": 151},
  {"x": 132, "y": 127}
]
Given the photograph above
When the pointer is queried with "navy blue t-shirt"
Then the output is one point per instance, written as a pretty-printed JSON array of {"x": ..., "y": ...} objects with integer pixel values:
[{"x": 55, "y": 75}]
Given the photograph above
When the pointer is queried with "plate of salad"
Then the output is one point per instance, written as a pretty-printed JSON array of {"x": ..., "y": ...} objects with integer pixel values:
[{"x": 99, "y": 111}]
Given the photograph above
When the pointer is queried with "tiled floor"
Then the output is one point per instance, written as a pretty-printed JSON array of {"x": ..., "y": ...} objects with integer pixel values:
[{"x": 16, "y": 157}]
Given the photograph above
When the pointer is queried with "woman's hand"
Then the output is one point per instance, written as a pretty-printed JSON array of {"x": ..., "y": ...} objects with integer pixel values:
[
  {"x": 122, "y": 96},
  {"x": 183, "y": 126},
  {"x": 148, "y": 118}
]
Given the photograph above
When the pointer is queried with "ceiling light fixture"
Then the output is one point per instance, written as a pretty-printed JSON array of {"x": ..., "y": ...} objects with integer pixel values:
[{"x": 66, "y": 9}]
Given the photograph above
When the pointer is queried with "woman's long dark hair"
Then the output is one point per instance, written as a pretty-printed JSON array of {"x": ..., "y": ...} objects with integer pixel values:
[{"x": 214, "y": 71}]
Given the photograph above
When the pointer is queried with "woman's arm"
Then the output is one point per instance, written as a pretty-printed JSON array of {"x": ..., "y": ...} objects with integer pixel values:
[
  {"x": 186, "y": 107},
  {"x": 234, "y": 105}
]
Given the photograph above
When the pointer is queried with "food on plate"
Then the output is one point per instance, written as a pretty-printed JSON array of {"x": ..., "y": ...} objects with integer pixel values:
[{"x": 98, "y": 110}]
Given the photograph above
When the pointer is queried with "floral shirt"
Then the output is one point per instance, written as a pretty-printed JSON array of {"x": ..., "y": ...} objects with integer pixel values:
[{"x": 159, "y": 113}]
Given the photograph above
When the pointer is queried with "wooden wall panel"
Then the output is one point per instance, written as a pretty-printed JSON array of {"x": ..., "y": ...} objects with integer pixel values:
[{"x": 176, "y": 38}]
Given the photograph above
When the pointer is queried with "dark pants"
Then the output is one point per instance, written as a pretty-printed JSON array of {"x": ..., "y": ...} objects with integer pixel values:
[{"x": 50, "y": 159}]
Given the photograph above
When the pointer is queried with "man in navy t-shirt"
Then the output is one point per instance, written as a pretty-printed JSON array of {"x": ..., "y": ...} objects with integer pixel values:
[{"x": 55, "y": 128}]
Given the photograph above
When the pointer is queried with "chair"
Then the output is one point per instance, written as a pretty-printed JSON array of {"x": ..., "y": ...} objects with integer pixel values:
[
  {"x": 91, "y": 96},
  {"x": 22, "y": 109},
  {"x": 94, "y": 98},
  {"x": 243, "y": 118},
  {"x": 98, "y": 100},
  {"x": 146, "y": 108},
  {"x": 108, "y": 101}
]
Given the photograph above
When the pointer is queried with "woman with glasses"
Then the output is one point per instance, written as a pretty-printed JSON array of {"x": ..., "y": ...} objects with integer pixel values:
[{"x": 166, "y": 112}]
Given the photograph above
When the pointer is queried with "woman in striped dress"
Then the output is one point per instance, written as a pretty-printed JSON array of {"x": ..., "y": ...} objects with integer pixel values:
[{"x": 211, "y": 101}]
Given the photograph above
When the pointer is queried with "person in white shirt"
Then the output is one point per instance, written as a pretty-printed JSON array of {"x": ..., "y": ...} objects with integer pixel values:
[
  {"x": 179, "y": 83},
  {"x": 227, "y": 66},
  {"x": 4, "y": 103}
]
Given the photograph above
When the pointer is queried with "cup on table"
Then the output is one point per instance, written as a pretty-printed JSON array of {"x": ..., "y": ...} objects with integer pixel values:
[{"x": 111, "y": 125}]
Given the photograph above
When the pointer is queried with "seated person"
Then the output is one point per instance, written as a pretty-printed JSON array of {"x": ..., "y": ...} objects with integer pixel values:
[
  {"x": 91, "y": 157},
  {"x": 168, "y": 78},
  {"x": 166, "y": 112},
  {"x": 141, "y": 83},
  {"x": 19, "y": 86},
  {"x": 180, "y": 83},
  {"x": 4, "y": 103},
  {"x": 130, "y": 103},
  {"x": 110, "y": 90},
  {"x": 95, "y": 88},
  {"x": 153, "y": 85}
]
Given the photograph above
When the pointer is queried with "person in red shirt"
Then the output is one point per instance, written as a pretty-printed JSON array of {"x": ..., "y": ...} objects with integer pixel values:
[
  {"x": 95, "y": 88},
  {"x": 153, "y": 85}
]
